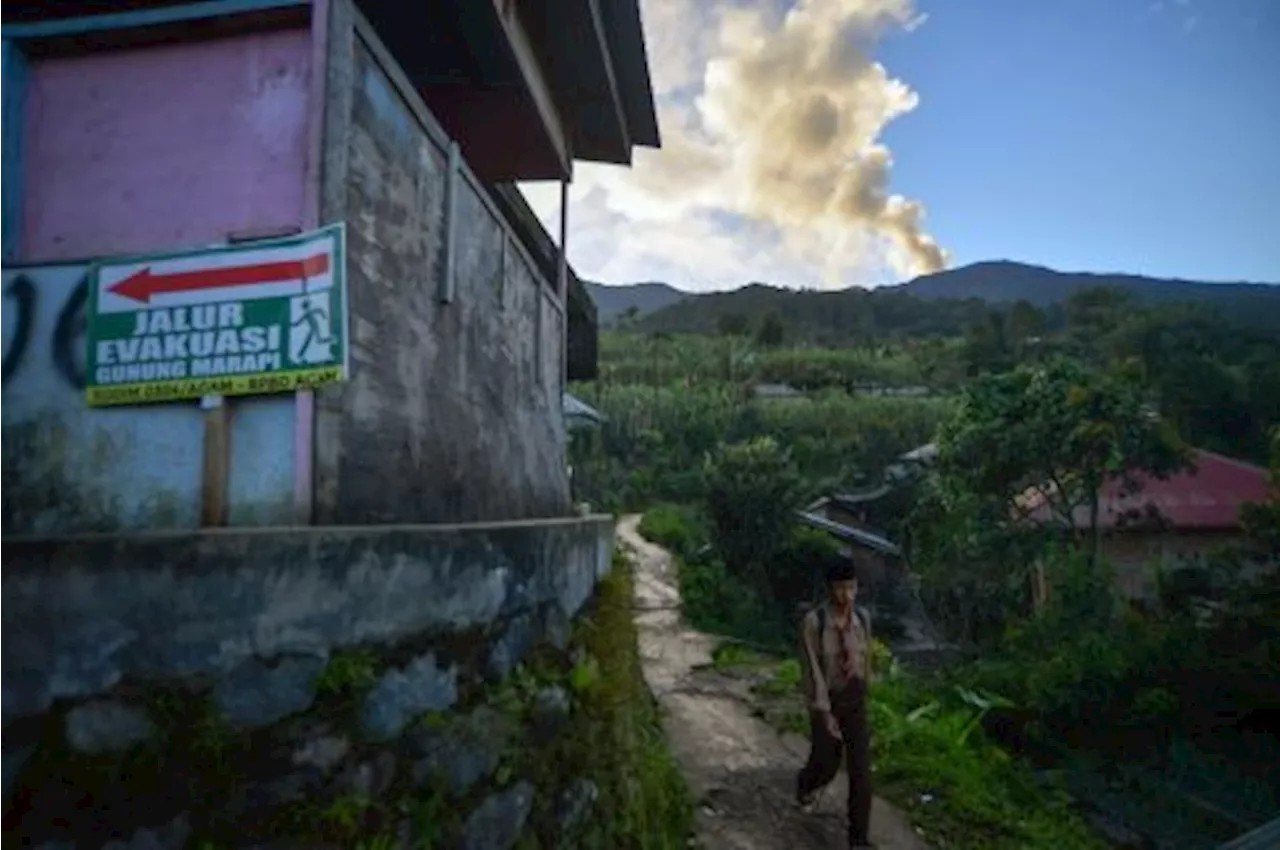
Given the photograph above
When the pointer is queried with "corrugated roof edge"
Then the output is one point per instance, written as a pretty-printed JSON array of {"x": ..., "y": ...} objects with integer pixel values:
[
  {"x": 871, "y": 541},
  {"x": 1265, "y": 837},
  {"x": 574, "y": 406}
]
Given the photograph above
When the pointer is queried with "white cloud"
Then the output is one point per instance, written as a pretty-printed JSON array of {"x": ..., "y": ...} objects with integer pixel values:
[{"x": 771, "y": 167}]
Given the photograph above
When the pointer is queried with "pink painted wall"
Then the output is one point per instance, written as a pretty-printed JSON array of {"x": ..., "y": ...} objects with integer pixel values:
[{"x": 166, "y": 147}]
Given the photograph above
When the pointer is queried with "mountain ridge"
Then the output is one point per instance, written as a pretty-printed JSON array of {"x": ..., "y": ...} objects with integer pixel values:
[
  {"x": 647, "y": 297},
  {"x": 994, "y": 282},
  {"x": 1006, "y": 280}
]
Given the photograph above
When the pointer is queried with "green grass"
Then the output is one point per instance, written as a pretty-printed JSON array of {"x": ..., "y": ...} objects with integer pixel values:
[
  {"x": 730, "y": 657},
  {"x": 644, "y": 800},
  {"x": 348, "y": 672},
  {"x": 677, "y": 528},
  {"x": 931, "y": 759},
  {"x": 714, "y": 601},
  {"x": 616, "y": 738}
]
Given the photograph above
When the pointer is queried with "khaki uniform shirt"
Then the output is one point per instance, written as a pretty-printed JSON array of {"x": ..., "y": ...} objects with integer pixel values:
[{"x": 823, "y": 663}]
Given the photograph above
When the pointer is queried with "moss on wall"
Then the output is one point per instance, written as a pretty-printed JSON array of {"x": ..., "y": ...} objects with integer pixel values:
[
  {"x": 566, "y": 751},
  {"x": 39, "y": 492},
  {"x": 643, "y": 800}
]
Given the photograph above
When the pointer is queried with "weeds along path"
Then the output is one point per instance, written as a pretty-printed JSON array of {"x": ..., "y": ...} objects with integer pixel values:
[{"x": 739, "y": 769}]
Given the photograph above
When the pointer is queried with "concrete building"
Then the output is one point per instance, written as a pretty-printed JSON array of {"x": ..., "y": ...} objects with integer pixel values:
[
  {"x": 411, "y": 520},
  {"x": 143, "y": 127}
]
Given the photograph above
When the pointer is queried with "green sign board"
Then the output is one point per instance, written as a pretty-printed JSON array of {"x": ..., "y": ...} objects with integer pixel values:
[{"x": 246, "y": 319}]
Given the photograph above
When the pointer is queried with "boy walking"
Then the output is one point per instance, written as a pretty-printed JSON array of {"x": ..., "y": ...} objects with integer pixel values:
[{"x": 835, "y": 654}]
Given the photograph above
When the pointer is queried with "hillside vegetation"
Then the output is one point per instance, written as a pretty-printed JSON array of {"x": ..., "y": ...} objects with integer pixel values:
[
  {"x": 1101, "y": 708},
  {"x": 613, "y": 301},
  {"x": 855, "y": 314}
]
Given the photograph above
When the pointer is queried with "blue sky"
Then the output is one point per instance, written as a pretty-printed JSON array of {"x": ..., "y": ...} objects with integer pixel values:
[
  {"x": 1097, "y": 135},
  {"x": 1085, "y": 135}
]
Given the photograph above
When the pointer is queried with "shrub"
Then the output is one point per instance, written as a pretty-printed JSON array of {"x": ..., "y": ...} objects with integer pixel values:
[
  {"x": 652, "y": 445},
  {"x": 931, "y": 757},
  {"x": 677, "y": 527},
  {"x": 759, "y": 606},
  {"x": 717, "y": 602},
  {"x": 795, "y": 574},
  {"x": 752, "y": 491}
]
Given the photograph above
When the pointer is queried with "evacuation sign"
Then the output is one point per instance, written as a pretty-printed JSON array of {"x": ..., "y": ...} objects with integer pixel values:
[{"x": 247, "y": 319}]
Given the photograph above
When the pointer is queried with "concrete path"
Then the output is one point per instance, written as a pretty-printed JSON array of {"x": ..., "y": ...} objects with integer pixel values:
[{"x": 740, "y": 769}]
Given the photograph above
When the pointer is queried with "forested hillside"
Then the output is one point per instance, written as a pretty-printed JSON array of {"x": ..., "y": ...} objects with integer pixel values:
[
  {"x": 1067, "y": 708},
  {"x": 949, "y": 302},
  {"x": 1215, "y": 380},
  {"x": 636, "y": 299},
  {"x": 1006, "y": 282},
  {"x": 856, "y": 313}
]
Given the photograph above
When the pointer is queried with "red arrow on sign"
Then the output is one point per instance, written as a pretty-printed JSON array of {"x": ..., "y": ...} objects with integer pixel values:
[{"x": 142, "y": 285}]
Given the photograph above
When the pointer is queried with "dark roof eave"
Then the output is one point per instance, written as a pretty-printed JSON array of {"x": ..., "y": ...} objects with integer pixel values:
[
  {"x": 856, "y": 535},
  {"x": 1258, "y": 839},
  {"x": 625, "y": 32},
  {"x": 859, "y": 498}
]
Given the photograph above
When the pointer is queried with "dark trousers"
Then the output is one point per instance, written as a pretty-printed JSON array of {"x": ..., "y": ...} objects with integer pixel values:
[{"x": 850, "y": 710}]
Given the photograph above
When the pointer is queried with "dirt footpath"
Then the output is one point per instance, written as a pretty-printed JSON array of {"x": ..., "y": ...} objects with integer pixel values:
[{"x": 741, "y": 771}]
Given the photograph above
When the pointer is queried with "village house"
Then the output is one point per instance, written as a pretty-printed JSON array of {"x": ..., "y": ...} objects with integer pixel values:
[
  {"x": 847, "y": 514},
  {"x": 285, "y": 353},
  {"x": 1166, "y": 522},
  {"x": 768, "y": 392},
  {"x": 886, "y": 585},
  {"x": 843, "y": 515}
]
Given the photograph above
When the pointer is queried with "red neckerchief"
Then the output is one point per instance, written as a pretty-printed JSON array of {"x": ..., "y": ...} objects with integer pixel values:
[{"x": 846, "y": 657}]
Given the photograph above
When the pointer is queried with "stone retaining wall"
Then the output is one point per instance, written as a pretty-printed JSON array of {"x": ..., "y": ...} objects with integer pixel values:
[{"x": 320, "y": 685}]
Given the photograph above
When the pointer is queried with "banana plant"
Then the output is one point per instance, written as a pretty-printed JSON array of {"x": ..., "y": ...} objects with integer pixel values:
[{"x": 983, "y": 702}]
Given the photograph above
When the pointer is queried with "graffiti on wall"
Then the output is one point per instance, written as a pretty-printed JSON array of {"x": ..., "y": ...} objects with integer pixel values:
[
  {"x": 67, "y": 339},
  {"x": 57, "y": 469},
  {"x": 71, "y": 468}
]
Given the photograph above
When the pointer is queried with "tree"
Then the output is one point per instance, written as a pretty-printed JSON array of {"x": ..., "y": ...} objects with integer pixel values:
[
  {"x": 1023, "y": 324},
  {"x": 753, "y": 490},
  {"x": 732, "y": 324},
  {"x": 1098, "y": 310},
  {"x": 986, "y": 347},
  {"x": 771, "y": 333},
  {"x": 1059, "y": 431},
  {"x": 1201, "y": 396},
  {"x": 1262, "y": 521},
  {"x": 973, "y": 560},
  {"x": 1262, "y": 383}
]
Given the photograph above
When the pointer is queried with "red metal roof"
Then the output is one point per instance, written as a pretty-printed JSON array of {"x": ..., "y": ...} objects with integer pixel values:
[{"x": 1207, "y": 497}]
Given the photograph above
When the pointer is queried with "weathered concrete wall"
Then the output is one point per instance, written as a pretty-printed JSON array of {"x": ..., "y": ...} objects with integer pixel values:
[
  {"x": 310, "y": 654},
  {"x": 69, "y": 468},
  {"x": 1133, "y": 555},
  {"x": 134, "y": 151},
  {"x": 453, "y": 410},
  {"x": 583, "y": 328}
]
